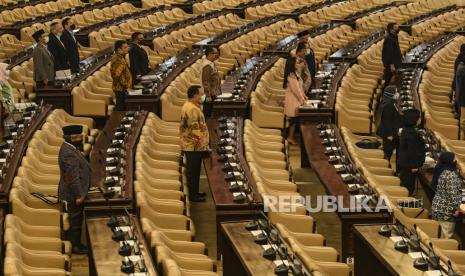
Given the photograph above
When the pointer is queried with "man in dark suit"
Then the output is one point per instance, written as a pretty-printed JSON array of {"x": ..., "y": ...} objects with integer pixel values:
[
  {"x": 71, "y": 44},
  {"x": 138, "y": 59},
  {"x": 56, "y": 47},
  {"x": 391, "y": 54},
  {"x": 310, "y": 59},
  {"x": 74, "y": 182},
  {"x": 44, "y": 70}
]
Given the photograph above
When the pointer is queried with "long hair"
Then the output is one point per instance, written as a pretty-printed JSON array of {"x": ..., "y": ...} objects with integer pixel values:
[{"x": 289, "y": 68}]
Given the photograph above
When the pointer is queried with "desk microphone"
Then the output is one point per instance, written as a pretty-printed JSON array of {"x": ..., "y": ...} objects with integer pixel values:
[
  {"x": 421, "y": 263},
  {"x": 107, "y": 194},
  {"x": 434, "y": 259}
]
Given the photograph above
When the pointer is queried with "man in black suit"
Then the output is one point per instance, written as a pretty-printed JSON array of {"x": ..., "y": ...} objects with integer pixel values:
[
  {"x": 56, "y": 47},
  {"x": 310, "y": 59},
  {"x": 71, "y": 44},
  {"x": 138, "y": 59},
  {"x": 391, "y": 54}
]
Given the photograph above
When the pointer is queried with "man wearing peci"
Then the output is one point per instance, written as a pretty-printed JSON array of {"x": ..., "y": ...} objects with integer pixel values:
[
  {"x": 74, "y": 182},
  {"x": 44, "y": 70}
]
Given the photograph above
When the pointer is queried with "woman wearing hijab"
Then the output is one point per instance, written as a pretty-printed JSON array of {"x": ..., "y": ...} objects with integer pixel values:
[
  {"x": 6, "y": 98},
  {"x": 412, "y": 152},
  {"x": 295, "y": 93},
  {"x": 446, "y": 201},
  {"x": 390, "y": 119}
]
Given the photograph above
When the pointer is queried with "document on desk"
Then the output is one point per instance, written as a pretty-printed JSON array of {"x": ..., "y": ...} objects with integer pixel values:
[
  {"x": 396, "y": 238},
  {"x": 135, "y": 91},
  {"x": 257, "y": 232},
  {"x": 416, "y": 255},
  {"x": 434, "y": 273}
]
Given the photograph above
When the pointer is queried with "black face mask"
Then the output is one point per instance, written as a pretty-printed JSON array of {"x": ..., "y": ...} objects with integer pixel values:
[
  {"x": 78, "y": 145},
  {"x": 73, "y": 27}
]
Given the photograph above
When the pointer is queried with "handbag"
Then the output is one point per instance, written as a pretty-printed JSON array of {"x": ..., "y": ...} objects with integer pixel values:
[{"x": 368, "y": 144}]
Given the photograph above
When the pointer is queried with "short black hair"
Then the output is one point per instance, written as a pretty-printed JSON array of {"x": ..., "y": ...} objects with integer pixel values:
[
  {"x": 462, "y": 48},
  {"x": 65, "y": 21},
  {"x": 390, "y": 26},
  {"x": 192, "y": 91},
  {"x": 302, "y": 45},
  {"x": 134, "y": 35},
  {"x": 210, "y": 50},
  {"x": 119, "y": 44}
]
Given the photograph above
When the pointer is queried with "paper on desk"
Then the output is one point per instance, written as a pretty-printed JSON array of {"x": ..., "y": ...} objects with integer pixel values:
[
  {"x": 133, "y": 258},
  {"x": 130, "y": 242},
  {"x": 139, "y": 274},
  {"x": 2, "y": 160},
  {"x": 338, "y": 166},
  {"x": 125, "y": 228},
  {"x": 266, "y": 246},
  {"x": 238, "y": 193},
  {"x": 416, "y": 255},
  {"x": 257, "y": 232},
  {"x": 396, "y": 238},
  {"x": 280, "y": 262},
  {"x": 434, "y": 273},
  {"x": 135, "y": 91}
]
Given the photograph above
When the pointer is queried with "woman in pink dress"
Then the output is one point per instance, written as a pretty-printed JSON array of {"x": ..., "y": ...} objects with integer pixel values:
[{"x": 295, "y": 93}]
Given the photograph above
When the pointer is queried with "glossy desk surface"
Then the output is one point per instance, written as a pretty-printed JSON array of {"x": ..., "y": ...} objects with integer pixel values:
[
  {"x": 105, "y": 255},
  {"x": 249, "y": 253},
  {"x": 396, "y": 262}
]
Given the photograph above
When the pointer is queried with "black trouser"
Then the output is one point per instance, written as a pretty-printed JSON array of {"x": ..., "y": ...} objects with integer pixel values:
[
  {"x": 75, "y": 220},
  {"x": 407, "y": 179},
  {"x": 389, "y": 146},
  {"x": 207, "y": 109},
  {"x": 40, "y": 84},
  {"x": 387, "y": 76},
  {"x": 194, "y": 163},
  {"x": 120, "y": 100}
]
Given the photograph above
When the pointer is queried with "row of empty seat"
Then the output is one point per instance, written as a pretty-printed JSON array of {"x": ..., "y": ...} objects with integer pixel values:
[
  {"x": 162, "y": 202},
  {"x": 10, "y": 17},
  {"x": 216, "y": 5},
  {"x": 435, "y": 90},
  {"x": 81, "y": 20},
  {"x": 266, "y": 154},
  {"x": 278, "y": 7}
]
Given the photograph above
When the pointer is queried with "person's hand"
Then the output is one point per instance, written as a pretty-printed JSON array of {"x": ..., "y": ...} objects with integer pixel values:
[
  {"x": 46, "y": 82},
  {"x": 389, "y": 138},
  {"x": 79, "y": 201},
  {"x": 415, "y": 170},
  {"x": 393, "y": 68}
]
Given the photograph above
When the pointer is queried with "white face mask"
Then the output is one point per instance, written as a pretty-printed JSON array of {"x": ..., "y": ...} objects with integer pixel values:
[
  {"x": 203, "y": 98},
  {"x": 396, "y": 96},
  {"x": 308, "y": 51},
  {"x": 47, "y": 39},
  {"x": 7, "y": 72}
]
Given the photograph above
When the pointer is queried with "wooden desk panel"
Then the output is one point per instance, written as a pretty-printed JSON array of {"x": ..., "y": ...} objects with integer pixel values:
[
  {"x": 104, "y": 259},
  {"x": 241, "y": 255},
  {"x": 96, "y": 202},
  {"x": 376, "y": 255}
]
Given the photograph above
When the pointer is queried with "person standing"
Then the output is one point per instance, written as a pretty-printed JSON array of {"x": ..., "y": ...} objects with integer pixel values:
[
  {"x": 391, "y": 54},
  {"x": 454, "y": 82},
  {"x": 138, "y": 58},
  {"x": 57, "y": 48},
  {"x": 120, "y": 73},
  {"x": 460, "y": 92},
  {"x": 7, "y": 104},
  {"x": 411, "y": 150},
  {"x": 310, "y": 59},
  {"x": 295, "y": 93},
  {"x": 44, "y": 68},
  {"x": 71, "y": 44},
  {"x": 389, "y": 120},
  {"x": 448, "y": 196},
  {"x": 195, "y": 139},
  {"x": 305, "y": 74},
  {"x": 74, "y": 182},
  {"x": 210, "y": 80}
]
